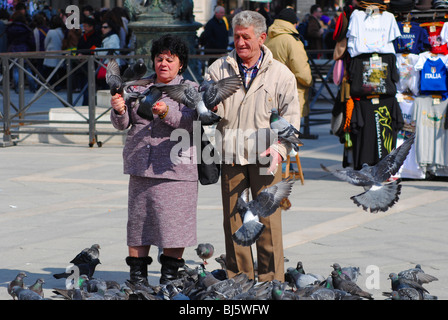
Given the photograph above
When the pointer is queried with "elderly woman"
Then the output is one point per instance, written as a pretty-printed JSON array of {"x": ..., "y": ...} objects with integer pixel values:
[{"x": 162, "y": 191}]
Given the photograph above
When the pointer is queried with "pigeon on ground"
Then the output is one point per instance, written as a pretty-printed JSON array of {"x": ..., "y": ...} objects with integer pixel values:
[
  {"x": 265, "y": 204},
  {"x": 25, "y": 294},
  {"x": 37, "y": 287},
  {"x": 17, "y": 282},
  {"x": 285, "y": 130},
  {"x": 417, "y": 274},
  {"x": 377, "y": 196},
  {"x": 298, "y": 279},
  {"x": 222, "y": 261},
  {"x": 404, "y": 294},
  {"x": 87, "y": 255},
  {"x": 135, "y": 71},
  {"x": 348, "y": 286},
  {"x": 398, "y": 282},
  {"x": 348, "y": 273},
  {"x": 117, "y": 84},
  {"x": 280, "y": 292},
  {"x": 87, "y": 268},
  {"x": 205, "y": 98},
  {"x": 205, "y": 251},
  {"x": 300, "y": 268}
]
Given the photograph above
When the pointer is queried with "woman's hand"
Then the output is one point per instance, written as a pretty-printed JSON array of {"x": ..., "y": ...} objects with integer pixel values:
[
  {"x": 118, "y": 104},
  {"x": 160, "y": 108}
]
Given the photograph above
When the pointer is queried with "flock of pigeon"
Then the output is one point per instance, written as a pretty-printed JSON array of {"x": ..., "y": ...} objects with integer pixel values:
[{"x": 200, "y": 284}]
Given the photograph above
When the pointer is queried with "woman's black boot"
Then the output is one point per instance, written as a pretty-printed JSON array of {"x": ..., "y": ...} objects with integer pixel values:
[
  {"x": 169, "y": 269},
  {"x": 139, "y": 269}
]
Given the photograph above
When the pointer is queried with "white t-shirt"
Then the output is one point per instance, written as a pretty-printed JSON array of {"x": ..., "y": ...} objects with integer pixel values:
[
  {"x": 409, "y": 77},
  {"x": 444, "y": 33},
  {"x": 371, "y": 33}
]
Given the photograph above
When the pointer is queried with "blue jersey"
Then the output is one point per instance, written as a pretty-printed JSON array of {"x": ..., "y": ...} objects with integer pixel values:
[{"x": 433, "y": 76}]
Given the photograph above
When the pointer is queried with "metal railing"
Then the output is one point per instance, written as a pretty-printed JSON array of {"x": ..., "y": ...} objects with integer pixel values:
[{"x": 18, "y": 117}]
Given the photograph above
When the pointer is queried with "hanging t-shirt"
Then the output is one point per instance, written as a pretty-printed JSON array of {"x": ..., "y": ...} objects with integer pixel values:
[
  {"x": 374, "y": 126},
  {"x": 372, "y": 74},
  {"x": 410, "y": 168},
  {"x": 431, "y": 140},
  {"x": 433, "y": 76},
  {"x": 413, "y": 38},
  {"x": 435, "y": 39},
  {"x": 409, "y": 78},
  {"x": 371, "y": 33}
]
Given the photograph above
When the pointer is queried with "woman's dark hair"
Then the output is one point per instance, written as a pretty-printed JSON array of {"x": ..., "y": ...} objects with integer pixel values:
[
  {"x": 56, "y": 22},
  {"x": 113, "y": 26},
  {"x": 175, "y": 45}
]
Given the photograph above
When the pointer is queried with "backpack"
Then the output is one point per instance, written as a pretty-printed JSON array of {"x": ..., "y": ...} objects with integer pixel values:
[{"x": 302, "y": 28}]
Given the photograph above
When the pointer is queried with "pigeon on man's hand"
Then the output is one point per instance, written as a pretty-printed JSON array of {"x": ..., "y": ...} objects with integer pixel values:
[
  {"x": 16, "y": 282},
  {"x": 285, "y": 130},
  {"x": 377, "y": 196},
  {"x": 265, "y": 204},
  {"x": 205, "y": 98}
]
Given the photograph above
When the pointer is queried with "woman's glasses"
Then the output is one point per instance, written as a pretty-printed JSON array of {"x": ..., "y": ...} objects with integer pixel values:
[{"x": 105, "y": 27}]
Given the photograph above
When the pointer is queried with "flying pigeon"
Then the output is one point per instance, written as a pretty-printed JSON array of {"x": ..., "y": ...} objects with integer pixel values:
[
  {"x": 205, "y": 251},
  {"x": 205, "y": 98},
  {"x": 417, "y": 274},
  {"x": 16, "y": 282},
  {"x": 377, "y": 196},
  {"x": 265, "y": 204},
  {"x": 135, "y": 71},
  {"x": 118, "y": 85},
  {"x": 285, "y": 130},
  {"x": 348, "y": 286}
]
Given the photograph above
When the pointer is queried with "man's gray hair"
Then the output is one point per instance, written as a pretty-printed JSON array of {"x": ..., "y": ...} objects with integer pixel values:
[{"x": 249, "y": 18}]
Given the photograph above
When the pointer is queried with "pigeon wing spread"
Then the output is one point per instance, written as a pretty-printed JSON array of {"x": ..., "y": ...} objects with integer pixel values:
[
  {"x": 113, "y": 78},
  {"x": 379, "y": 198},
  {"x": 215, "y": 92},
  {"x": 268, "y": 201},
  {"x": 183, "y": 93}
]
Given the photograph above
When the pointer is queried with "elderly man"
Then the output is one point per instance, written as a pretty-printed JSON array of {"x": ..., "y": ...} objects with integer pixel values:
[{"x": 251, "y": 152}]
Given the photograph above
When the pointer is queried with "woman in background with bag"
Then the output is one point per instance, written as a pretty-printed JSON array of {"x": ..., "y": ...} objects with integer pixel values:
[{"x": 163, "y": 184}]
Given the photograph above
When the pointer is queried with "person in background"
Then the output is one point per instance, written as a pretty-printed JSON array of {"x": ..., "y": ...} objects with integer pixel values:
[
  {"x": 267, "y": 84},
  {"x": 215, "y": 37},
  {"x": 110, "y": 41},
  {"x": 315, "y": 30},
  {"x": 284, "y": 42},
  {"x": 163, "y": 191},
  {"x": 20, "y": 38},
  {"x": 53, "y": 42}
]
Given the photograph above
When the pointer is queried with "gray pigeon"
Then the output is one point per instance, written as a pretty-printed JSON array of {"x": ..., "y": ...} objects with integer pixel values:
[
  {"x": 16, "y": 282},
  {"x": 87, "y": 268},
  {"x": 37, "y": 287},
  {"x": 417, "y": 274},
  {"x": 398, "y": 282},
  {"x": 118, "y": 85},
  {"x": 348, "y": 273},
  {"x": 265, "y": 204},
  {"x": 205, "y": 98},
  {"x": 348, "y": 286},
  {"x": 377, "y": 196},
  {"x": 285, "y": 130},
  {"x": 404, "y": 294},
  {"x": 25, "y": 294},
  {"x": 299, "y": 279},
  {"x": 87, "y": 255},
  {"x": 205, "y": 251},
  {"x": 135, "y": 71}
]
